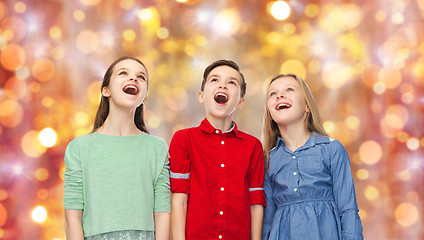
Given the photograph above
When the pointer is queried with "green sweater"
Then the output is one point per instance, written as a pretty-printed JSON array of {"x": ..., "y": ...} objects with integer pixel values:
[{"x": 118, "y": 181}]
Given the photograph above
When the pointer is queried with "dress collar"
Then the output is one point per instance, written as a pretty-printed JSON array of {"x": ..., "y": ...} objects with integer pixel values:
[{"x": 314, "y": 139}]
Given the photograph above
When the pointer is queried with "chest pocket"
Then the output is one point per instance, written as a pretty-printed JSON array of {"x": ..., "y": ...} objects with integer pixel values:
[{"x": 311, "y": 164}]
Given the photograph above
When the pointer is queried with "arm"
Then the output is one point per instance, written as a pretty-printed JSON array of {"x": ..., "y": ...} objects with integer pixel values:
[
  {"x": 162, "y": 198},
  {"x": 73, "y": 224},
  {"x": 73, "y": 199},
  {"x": 256, "y": 191},
  {"x": 270, "y": 207},
  {"x": 257, "y": 213},
  {"x": 162, "y": 220},
  {"x": 178, "y": 215},
  {"x": 344, "y": 192},
  {"x": 180, "y": 183}
]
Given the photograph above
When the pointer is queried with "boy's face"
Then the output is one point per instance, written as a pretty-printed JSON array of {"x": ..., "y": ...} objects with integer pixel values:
[{"x": 221, "y": 94}]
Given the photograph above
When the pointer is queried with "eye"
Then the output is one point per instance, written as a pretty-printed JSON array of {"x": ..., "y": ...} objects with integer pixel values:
[
  {"x": 214, "y": 79},
  {"x": 233, "y": 82},
  {"x": 141, "y": 77},
  {"x": 290, "y": 89},
  {"x": 272, "y": 94},
  {"x": 122, "y": 73}
]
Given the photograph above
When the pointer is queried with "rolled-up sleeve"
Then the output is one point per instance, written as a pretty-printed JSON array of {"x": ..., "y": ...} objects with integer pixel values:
[
  {"x": 180, "y": 162},
  {"x": 73, "y": 197},
  {"x": 161, "y": 187},
  {"x": 256, "y": 176},
  {"x": 344, "y": 192}
]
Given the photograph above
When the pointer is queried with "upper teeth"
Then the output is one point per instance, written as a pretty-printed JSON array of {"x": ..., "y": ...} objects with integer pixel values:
[
  {"x": 283, "y": 105},
  {"x": 221, "y": 94},
  {"x": 130, "y": 86}
]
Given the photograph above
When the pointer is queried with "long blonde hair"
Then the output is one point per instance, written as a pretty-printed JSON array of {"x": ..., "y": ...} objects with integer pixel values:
[{"x": 271, "y": 131}]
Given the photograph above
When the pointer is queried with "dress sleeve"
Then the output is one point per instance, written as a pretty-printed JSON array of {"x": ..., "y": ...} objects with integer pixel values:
[
  {"x": 73, "y": 197},
  {"x": 270, "y": 208},
  {"x": 255, "y": 176},
  {"x": 161, "y": 187},
  {"x": 180, "y": 162},
  {"x": 344, "y": 192}
]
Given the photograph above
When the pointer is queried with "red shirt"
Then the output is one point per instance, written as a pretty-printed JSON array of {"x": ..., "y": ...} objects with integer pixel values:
[{"x": 223, "y": 175}]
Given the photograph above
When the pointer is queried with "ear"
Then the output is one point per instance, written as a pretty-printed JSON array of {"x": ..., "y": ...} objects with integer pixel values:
[
  {"x": 106, "y": 92},
  {"x": 201, "y": 99},
  {"x": 240, "y": 103},
  {"x": 307, "y": 109}
]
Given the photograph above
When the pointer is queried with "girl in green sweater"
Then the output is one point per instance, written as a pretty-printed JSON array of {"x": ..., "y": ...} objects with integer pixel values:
[{"x": 117, "y": 177}]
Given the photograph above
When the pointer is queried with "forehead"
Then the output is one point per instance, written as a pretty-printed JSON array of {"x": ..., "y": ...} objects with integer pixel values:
[
  {"x": 130, "y": 64},
  {"x": 225, "y": 71},
  {"x": 284, "y": 81}
]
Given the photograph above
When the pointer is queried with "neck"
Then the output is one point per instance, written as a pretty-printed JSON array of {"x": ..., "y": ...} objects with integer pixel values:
[
  {"x": 294, "y": 136},
  {"x": 223, "y": 124},
  {"x": 119, "y": 122}
]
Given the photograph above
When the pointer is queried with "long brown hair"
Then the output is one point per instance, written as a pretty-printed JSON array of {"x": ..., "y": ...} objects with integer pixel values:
[
  {"x": 103, "y": 110},
  {"x": 271, "y": 131}
]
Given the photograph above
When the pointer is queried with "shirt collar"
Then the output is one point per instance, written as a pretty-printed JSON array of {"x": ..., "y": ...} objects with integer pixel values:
[{"x": 207, "y": 127}]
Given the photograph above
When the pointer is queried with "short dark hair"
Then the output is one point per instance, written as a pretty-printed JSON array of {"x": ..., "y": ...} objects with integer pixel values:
[{"x": 230, "y": 64}]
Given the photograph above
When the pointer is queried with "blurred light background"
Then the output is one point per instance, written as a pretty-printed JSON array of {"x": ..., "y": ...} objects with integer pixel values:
[{"x": 364, "y": 61}]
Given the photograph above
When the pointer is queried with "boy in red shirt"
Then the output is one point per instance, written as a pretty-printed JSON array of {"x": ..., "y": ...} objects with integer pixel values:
[{"x": 217, "y": 170}]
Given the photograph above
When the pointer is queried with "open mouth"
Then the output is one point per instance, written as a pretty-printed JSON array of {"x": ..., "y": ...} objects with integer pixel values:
[
  {"x": 130, "y": 89},
  {"x": 221, "y": 98},
  {"x": 282, "y": 106}
]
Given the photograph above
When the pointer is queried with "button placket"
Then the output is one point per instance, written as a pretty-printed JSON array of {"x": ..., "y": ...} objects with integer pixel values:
[{"x": 222, "y": 180}]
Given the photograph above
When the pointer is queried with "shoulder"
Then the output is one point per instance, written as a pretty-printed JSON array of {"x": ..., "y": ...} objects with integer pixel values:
[
  {"x": 249, "y": 139},
  {"x": 83, "y": 139},
  {"x": 247, "y": 136},
  {"x": 155, "y": 140},
  {"x": 183, "y": 134},
  {"x": 333, "y": 146}
]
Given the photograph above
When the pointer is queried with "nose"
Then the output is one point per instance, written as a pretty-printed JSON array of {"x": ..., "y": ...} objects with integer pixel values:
[
  {"x": 281, "y": 96},
  {"x": 133, "y": 78},
  {"x": 222, "y": 86}
]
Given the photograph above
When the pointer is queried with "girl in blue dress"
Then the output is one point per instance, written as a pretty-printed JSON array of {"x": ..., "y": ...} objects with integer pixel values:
[{"x": 308, "y": 184}]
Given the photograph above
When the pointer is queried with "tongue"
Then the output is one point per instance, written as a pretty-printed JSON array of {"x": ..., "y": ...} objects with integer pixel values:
[
  {"x": 130, "y": 90},
  {"x": 220, "y": 99}
]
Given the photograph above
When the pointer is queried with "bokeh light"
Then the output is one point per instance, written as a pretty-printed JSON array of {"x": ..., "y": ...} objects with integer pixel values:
[
  {"x": 39, "y": 214},
  {"x": 280, "y": 10},
  {"x": 47, "y": 137},
  {"x": 406, "y": 214}
]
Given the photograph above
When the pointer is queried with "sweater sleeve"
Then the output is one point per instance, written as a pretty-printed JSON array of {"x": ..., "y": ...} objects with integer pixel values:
[
  {"x": 344, "y": 192},
  {"x": 162, "y": 185},
  {"x": 73, "y": 197}
]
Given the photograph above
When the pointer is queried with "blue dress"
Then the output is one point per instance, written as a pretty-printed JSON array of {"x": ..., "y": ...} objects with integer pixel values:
[{"x": 310, "y": 193}]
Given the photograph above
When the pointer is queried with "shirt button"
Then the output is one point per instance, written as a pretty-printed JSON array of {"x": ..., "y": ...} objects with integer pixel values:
[
  {"x": 222, "y": 165},
  {"x": 294, "y": 173},
  {"x": 294, "y": 157},
  {"x": 217, "y": 131},
  {"x": 221, "y": 213},
  {"x": 222, "y": 189},
  {"x": 222, "y": 142},
  {"x": 295, "y": 189},
  {"x": 220, "y": 236}
]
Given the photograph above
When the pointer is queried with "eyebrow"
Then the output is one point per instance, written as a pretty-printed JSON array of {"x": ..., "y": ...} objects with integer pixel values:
[
  {"x": 216, "y": 75},
  {"x": 274, "y": 89},
  {"x": 128, "y": 69}
]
